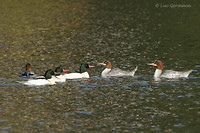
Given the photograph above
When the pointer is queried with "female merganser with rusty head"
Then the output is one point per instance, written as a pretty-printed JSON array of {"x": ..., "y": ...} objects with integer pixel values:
[
  {"x": 58, "y": 77},
  {"x": 47, "y": 80},
  {"x": 109, "y": 72},
  {"x": 82, "y": 72},
  {"x": 168, "y": 73},
  {"x": 27, "y": 73}
]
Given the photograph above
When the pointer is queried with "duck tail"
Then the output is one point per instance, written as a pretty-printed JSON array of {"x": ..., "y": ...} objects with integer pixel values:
[
  {"x": 188, "y": 73},
  {"x": 133, "y": 72}
]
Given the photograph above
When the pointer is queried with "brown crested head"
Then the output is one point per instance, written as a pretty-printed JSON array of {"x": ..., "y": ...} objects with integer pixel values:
[
  {"x": 108, "y": 64},
  {"x": 28, "y": 67},
  {"x": 158, "y": 64}
]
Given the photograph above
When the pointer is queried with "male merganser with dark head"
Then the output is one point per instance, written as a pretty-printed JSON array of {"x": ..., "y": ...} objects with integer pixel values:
[
  {"x": 47, "y": 80},
  {"x": 82, "y": 72},
  {"x": 109, "y": 72},
  {"x": 168, "y": 73},
  {"x": 58, "y": 77},
  {"x": 27, "y": 73}
]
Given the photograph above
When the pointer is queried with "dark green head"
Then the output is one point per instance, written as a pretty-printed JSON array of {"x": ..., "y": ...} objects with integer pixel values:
[
  {"x": 48, "y": 74},
  {"x": 59, "y": 70},
  {"x": 84, "y": 67}
]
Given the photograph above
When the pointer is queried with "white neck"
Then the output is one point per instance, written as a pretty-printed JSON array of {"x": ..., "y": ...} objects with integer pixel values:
[
  {"x": 85, "y": 75},
  {"x": 157, "y": 73},
  {"x": 105, "y": 72},
  {"x": 51, "y": 81}
]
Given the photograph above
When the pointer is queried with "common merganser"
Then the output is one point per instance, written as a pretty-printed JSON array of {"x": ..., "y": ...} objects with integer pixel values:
[
  {"x": 47, "y": 80},
  {"x": 109, "y": 72},
  {"x": 27, "y": 73},
  {"x": 168, "y": 73},
  {"x": 58, "y": 77},
  {"x": 82, "y": 74}
]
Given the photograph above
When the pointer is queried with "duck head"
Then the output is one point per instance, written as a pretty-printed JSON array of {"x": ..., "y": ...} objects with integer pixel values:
[
  {"x": 28, "y": 67},
  {"x": 48, "y": 74},
  {"x": 107, "y": 64},
  {"x": 59, "y": 70},
  {"x": 84, "y": 67},
  {"x": 158, "y": 64}
]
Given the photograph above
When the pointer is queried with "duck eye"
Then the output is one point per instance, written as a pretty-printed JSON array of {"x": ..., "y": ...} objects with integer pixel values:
[
  {"x": 105, "y": 62},
  {"x": 86, "y": 65}
]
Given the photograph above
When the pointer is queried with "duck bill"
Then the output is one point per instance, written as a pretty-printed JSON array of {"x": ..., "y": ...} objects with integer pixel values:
[
  {"x": 90, "y": 66},
  {"x": 65, "y": 70},
  {"x": 103, "y": 64},
  {"x": 56, "y": 73},
  {"x": 152, "y": 64}
]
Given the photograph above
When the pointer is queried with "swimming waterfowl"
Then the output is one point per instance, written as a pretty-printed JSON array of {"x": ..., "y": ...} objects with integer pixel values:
[
  {"x": 27, "y": 72},
  {"x": 159, "y": 73},
  {"x": 81, "y": 74},
  {"x": 109, "y": 72}
]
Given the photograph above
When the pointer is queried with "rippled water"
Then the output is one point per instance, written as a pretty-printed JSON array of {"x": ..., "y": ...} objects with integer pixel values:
[{"x": 129, "y": 33}]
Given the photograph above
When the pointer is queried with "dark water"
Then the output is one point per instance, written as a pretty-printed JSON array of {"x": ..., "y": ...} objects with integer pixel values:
[{"x": 129, "y": 33}]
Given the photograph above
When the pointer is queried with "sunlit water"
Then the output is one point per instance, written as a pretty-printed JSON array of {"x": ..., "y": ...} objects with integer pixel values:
[{"x": 129, "y": 34}]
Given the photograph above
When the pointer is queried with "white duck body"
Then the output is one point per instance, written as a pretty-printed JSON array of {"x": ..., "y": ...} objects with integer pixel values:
[
  {"x": 159, "y": 73},
  {"x": 175, "y": 74},
  {"x": 59, "y": 78},
  {"x": 83, "y": 72},
  {"x": 76, "y": 75},
  {"x": 117, "y": 72},
  {"x": 39, "y": 82},
  {"x": 109, "y": 72}
]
